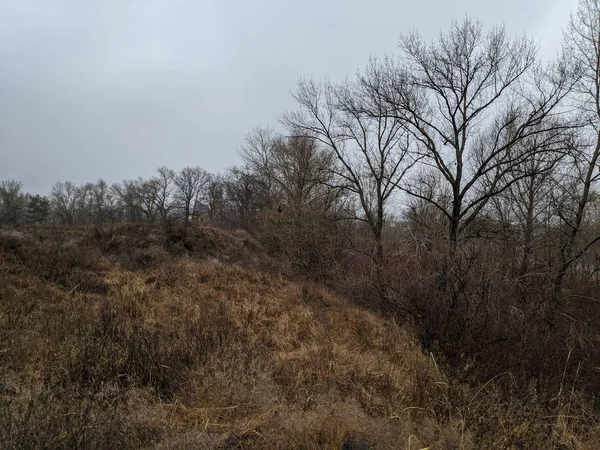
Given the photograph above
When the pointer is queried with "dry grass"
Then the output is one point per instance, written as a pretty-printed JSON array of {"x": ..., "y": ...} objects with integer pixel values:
[{"x": 192, "y": 346}]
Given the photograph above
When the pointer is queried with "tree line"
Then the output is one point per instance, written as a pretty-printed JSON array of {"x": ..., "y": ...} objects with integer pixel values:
[{"x": 471, "y": 132}]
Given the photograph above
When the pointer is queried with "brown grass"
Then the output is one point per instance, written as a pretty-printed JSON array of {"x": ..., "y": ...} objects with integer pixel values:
[{"x": 192, "y": 346}]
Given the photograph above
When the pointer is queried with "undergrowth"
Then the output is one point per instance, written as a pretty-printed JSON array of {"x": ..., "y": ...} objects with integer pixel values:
[{"x": 129, "y": 339}]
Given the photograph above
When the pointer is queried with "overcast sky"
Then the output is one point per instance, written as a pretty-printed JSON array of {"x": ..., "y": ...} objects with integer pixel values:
[{"x": 117, "y": 88}]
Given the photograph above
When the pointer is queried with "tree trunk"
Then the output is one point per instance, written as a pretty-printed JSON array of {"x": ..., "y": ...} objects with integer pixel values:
[
  {"x": 527, "y": 247},
  {"x": 558, "y": 283}
]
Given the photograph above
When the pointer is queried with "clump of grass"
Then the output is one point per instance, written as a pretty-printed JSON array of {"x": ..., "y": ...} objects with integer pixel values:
[{"x": 64, "y": 419}]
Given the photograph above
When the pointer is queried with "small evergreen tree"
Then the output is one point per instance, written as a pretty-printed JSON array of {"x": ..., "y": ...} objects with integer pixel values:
[
  {"x": 38, "y": 209},
  {"x": 12, "y": 202}
]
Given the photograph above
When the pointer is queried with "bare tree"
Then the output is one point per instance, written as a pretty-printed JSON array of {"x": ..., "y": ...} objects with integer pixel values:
[
  {"x": 302, "y": 173},
  {"x": 370, "y": 145},
  {"x": 99, "y": 193},
  {"x": 300, "y": 204},
  {"x": 144, "y": 192},
  {"x": 63, "y": 197},
  {"x": 527, "y": 204},
  {"x": 245, "y": 198},
  {"x": 159, "y": 190},
  {"x": 582, "y": 46},
  {"x": 257, "y": 154},
  {"x": 467, "y": 100},
  {"x": 216, "y": 201},
  {"x": 128, "y": 200},
  {"x": 190, "y": 185},
  {"x": 293, "y": 171}
]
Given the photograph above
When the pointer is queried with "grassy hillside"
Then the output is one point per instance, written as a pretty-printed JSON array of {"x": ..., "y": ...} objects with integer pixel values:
[{"x": 140, "y": 338}]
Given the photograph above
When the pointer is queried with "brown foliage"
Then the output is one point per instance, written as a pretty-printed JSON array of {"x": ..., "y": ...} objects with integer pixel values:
[
  {"x": 199, "y": 353},
  {"x": 199, "y": 349}
]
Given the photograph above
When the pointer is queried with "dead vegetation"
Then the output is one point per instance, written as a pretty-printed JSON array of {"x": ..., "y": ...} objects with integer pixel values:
[
  {"x": 189, "y": 352},
  {"x": 202, "y": 342}
]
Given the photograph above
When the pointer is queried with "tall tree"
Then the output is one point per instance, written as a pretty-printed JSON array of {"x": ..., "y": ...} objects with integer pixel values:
[
  {"x": 63, "y": 197},
  {"x": 38, "y": 209},
  {"x": 370, "y": 145},
  {"x": 300, "y": 205},
  {"x": 257, "y": 153},
  {"x": 159, "y": 190},
  {"x": 128, "y": 201},
  {"x": 245, "y": 198},
  {"x": 216, "y": 201},
  {"x": 102, "y": 199},
  {"x": 12, "y": 202},
  {"x": 468, "y": 99},
  {"x": 582, "y": 47},
  {"x": 190, "y": 186}
]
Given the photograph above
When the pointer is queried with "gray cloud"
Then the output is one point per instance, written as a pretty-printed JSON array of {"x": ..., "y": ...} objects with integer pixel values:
[{"x": 114, "y": 89}]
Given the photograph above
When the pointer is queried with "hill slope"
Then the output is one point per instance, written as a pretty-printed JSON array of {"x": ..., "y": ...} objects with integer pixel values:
[{"x": 136, "y": 339}]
